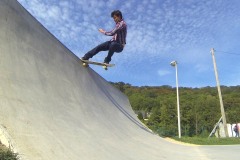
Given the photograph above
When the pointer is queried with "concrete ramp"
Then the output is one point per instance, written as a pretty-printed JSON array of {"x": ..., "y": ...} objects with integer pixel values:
[{"x": 52, "y": 108}]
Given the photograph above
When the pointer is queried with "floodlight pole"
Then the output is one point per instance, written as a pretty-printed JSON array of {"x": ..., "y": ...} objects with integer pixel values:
[
  {"x": 174, "y": 64},
  {"x": 220, "y": 95}
]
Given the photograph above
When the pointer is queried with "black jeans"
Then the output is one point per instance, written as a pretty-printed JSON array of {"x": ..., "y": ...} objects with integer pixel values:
[{"x": 110, "y": 46}]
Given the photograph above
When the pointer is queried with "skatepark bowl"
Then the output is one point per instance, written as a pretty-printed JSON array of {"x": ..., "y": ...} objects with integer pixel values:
[{"x": 53, "y": 108}]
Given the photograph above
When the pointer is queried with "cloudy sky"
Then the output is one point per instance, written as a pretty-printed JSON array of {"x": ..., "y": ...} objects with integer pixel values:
[{"x": 159, "y": 31}]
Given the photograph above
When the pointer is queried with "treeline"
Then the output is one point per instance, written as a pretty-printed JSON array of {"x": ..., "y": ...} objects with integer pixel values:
[{"x": 199, "y": 107}]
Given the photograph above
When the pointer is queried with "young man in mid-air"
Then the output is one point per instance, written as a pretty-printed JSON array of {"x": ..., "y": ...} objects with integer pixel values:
[{"x": 118, "y": 41}]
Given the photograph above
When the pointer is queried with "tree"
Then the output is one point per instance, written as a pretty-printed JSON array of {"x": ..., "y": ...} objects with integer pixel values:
[{"x": 199, "y": 107}]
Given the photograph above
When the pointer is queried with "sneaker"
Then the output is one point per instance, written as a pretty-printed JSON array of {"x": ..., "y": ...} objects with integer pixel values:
[
  {"x": 106, "y": 62},
  {"x": 84, "y": 58}
]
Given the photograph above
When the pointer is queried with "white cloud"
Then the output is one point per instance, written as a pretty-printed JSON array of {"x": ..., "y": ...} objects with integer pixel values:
[
  {"x": 163, "y": 72},
  {"x": 200, "y": 68}
]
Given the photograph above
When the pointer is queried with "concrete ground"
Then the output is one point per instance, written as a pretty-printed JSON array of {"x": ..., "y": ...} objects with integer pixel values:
[{"x": 52, "y": 108}]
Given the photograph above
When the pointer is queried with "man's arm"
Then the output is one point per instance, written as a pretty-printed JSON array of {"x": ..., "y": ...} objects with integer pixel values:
[
  {"x": 111, "y": 33},
  {"x": 101, "y": 30}
]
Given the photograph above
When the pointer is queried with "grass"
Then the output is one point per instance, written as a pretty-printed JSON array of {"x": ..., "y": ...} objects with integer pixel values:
[
  {"x": 208, "y": 141},
  {"x": 7, "y": 154}
]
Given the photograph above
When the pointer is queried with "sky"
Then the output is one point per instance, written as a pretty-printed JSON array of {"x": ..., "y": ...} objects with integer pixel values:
[{"x": 159, "y": 32}]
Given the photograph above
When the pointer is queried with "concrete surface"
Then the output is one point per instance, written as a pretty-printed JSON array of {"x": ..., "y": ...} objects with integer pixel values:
[{"x": 52, "y": 108}]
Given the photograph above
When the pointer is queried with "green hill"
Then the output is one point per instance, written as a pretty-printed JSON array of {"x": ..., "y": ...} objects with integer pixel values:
[{"x": 199, "y": 107}]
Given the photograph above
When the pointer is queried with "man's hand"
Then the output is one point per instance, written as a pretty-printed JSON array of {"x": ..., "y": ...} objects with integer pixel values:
[{"x": 101, "y": 30}]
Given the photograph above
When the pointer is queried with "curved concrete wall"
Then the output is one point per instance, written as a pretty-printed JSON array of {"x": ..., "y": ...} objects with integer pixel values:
[{"x": 52, "y": 108}]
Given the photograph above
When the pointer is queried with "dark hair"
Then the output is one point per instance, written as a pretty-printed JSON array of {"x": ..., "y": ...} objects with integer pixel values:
[{"x": 117, "y": 13}]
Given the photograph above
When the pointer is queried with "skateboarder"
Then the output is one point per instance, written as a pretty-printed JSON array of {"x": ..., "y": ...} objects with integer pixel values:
[{"x": 118, "y": 41}]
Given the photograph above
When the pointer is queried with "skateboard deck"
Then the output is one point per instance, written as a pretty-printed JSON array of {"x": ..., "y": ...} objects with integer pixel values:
[{"x": 104, "y": 65}]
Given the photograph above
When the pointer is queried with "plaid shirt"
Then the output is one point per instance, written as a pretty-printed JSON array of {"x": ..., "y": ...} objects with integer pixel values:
[{"x": 119, "y": 33}]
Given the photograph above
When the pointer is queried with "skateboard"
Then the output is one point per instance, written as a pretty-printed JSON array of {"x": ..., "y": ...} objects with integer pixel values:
[{"x": 104, "y": 65}]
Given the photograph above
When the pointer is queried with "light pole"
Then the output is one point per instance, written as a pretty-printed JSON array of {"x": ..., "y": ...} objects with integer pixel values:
[{"x": 174, "y": 64}]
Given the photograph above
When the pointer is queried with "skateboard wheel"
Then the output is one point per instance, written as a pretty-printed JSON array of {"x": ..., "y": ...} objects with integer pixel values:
[
  {"x": 105, "y": 67},
  {"x": 85, "y": 64}
]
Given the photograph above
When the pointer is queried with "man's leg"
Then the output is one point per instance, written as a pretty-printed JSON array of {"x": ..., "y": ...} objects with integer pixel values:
[
  {"x": 114, "y": 47},
  {"x": 102, "y": 47}
]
